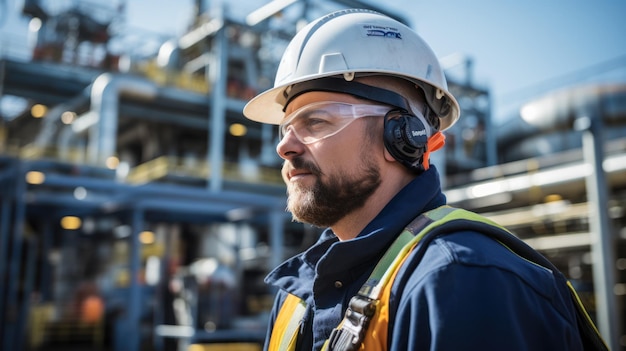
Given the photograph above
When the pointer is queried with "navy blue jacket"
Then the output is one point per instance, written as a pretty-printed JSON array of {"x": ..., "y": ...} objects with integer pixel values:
[{"x": 467, "y": 293}]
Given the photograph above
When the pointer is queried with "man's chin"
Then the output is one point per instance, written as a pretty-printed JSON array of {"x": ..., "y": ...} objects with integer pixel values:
[
  {"x": 297, "y": 200},
  {"x": 300, "y": 188}
]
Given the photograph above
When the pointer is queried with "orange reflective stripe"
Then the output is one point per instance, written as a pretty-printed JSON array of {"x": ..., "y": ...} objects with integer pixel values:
[
  {"x": 287, "y": 324},
  {"x": 376, "y": 337}
]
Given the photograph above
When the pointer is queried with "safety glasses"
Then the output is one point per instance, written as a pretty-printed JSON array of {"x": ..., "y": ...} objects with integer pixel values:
[{"x": 320, "y": 120}]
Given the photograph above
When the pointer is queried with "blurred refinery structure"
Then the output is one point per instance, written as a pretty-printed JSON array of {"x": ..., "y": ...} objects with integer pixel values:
[{"x": 140, "y": 210}]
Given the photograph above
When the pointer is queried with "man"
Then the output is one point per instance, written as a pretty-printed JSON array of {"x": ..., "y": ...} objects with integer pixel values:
[{"x": 361, "y": 101}]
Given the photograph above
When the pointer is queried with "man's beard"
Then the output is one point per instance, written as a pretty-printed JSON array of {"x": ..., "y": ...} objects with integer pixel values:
[{"x": 326, "y": 202}]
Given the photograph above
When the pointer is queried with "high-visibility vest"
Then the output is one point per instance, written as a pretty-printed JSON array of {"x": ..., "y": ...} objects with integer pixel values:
[{"x": 365, "y": 324}]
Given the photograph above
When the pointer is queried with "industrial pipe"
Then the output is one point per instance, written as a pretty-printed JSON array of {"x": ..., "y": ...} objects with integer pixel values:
[
  {"x": 559, "y": 110},
  {"x": 101, "y": 121}
]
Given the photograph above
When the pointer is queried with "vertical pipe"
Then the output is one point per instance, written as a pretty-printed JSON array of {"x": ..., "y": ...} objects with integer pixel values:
[
  {"x": 134, "y": 306},
  {"x": 218, "y": 74},
  {"x": 47, "y": 243},
  {"x": 15, "y": 261},
  {"x": 106, "y": 129},
  {"x": 602, "y": 242},
  {"x": 31, "y": 257},
  {"x": 268, "y": 151},
  {"x": 491, "y": 138},
  {"x": 160, "y": 297},
  {"x": 5, "y": 241},
  {"x": 276, "y": 237}
]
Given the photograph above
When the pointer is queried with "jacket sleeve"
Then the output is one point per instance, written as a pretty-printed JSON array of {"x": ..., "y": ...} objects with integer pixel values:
[{"x": 460, "y": 298}]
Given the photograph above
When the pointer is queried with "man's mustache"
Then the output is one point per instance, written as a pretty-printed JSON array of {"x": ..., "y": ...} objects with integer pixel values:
[{"x": 302, "y": 164}]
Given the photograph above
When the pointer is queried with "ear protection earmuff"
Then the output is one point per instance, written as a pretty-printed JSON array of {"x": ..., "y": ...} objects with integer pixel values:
[{"x": 406, "y": 137}]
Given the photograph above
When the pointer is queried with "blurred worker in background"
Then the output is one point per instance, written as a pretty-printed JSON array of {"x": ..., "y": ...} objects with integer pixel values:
[{"x": 361, "y": 101}]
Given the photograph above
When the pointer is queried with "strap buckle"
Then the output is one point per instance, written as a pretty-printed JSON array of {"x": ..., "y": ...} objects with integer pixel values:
[{"x": 349, "y": 336}]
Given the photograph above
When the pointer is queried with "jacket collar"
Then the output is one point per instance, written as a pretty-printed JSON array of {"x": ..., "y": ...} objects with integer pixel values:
[{"x": 328, "y": 254}]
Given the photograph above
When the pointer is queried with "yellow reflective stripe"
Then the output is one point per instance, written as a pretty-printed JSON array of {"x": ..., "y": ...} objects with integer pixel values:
[
  {"x": 390, "y": 260},
  {"x": 287, "y": 324},
  {"x": 403, "y": 245},
  {"x": 325, "y": 346},
  {"x": 450, "y": 213},
  {"x": 582, "y": 309},
  {"x": 446, "y": 213}
]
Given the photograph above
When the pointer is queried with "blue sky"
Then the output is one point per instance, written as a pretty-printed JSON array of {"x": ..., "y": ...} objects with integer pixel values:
[
  {"x": 520, "y": 49},
  {"x": 523, "y": 48}
]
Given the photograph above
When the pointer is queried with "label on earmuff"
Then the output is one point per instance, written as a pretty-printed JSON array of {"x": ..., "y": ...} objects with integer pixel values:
[{"x": 415, "y": 133}]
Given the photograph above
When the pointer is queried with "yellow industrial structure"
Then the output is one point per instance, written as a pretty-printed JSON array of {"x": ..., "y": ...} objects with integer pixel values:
[{"x": 140, "y": 210}]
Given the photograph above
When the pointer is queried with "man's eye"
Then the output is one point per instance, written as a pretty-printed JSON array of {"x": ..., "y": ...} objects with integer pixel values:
[
  {"x": 313, "y": 122},
  {"x": 315, "y": 118}
]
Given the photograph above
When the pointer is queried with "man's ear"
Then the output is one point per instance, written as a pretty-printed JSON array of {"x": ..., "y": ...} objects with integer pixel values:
[{"x": 388, "y": 156}]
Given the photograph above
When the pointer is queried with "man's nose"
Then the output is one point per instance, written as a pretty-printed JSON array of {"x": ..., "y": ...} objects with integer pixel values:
[{"x": 289, "y": 146}]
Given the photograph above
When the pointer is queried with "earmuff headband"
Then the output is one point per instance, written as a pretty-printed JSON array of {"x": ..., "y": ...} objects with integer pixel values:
[{"x": 338, "y": 85}]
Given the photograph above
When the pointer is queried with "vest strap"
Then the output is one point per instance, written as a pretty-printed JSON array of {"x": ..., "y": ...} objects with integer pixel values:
[{"x": 349, "y": 335}]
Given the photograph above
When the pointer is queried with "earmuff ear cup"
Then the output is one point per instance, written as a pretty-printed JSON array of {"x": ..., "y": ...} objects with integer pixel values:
[{"x": 406, "y": 138}]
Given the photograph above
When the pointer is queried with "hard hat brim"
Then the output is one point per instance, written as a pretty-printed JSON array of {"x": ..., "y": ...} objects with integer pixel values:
[{"x": 267, "y": 107}]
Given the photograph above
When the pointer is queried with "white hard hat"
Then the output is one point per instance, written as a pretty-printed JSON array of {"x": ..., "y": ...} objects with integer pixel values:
[{"x": 349, "y": 43}]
